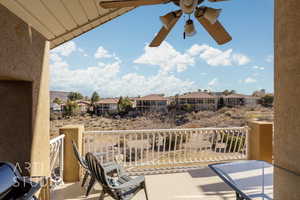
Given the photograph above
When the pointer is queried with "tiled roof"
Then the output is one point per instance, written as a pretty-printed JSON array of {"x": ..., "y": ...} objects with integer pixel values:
[
  {"x": 82, "y": 102},
  {"x": 152, "y": 97},
  {"x": 196, "y": 95},
  {"x": 108, "y": 101}
]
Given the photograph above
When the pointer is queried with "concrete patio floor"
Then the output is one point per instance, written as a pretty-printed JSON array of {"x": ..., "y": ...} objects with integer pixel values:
[{"x": 191, "y": 185}]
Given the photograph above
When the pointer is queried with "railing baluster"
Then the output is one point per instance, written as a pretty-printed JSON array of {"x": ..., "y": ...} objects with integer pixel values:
[
  {"x": 164, "y": 148},
  {"x": 153, "y": 144},
  {"x": 175, "y": 145},
  {"x": 180, "y": 160},
  {"x": 158, "y": 147},
  {"x": 135, "y": 147},
  {"x": 141, "y": 137},
  {"x": 124, "y": 150},
  {"x": 130, "y": 148},
  {"x": 232, "y": 136},
  {"x": 170, "y": 143}
]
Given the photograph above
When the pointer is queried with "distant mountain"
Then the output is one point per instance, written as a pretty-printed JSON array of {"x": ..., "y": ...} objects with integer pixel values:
[{"x": 58, "y": 94}]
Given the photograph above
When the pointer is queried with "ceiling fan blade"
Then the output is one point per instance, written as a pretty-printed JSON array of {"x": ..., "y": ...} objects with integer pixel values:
[
  {"x": 163, "y": 33},
  {"x": 216, "y": 30},
  {"x": 130, "y": 3}
]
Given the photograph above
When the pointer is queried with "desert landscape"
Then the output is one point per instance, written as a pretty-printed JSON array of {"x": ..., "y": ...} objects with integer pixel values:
[{"x": 225, "y": 117}]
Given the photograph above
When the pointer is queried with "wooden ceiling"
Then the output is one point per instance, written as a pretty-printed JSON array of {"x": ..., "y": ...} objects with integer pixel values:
[{"x": 62, "y": 20}]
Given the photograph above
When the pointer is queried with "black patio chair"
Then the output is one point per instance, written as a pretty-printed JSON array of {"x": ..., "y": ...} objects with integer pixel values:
[
  {"x": 87, "y": 172},
  {"x": 122, "y": 187}
]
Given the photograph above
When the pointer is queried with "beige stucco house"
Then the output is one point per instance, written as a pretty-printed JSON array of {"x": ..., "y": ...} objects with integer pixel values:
[
  {"x": 109, "y": 105},
  {"x": 198, "y": 101},
  {"x": 152, "y": 102}
]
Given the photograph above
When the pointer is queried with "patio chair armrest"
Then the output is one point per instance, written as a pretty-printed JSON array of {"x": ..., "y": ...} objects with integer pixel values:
[
  {"x": 132, "y": 183},
  {"x": 112, "y": 166}
]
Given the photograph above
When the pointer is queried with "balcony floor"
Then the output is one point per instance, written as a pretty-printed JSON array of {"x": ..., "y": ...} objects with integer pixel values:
[{"x": 191, "y": 185}]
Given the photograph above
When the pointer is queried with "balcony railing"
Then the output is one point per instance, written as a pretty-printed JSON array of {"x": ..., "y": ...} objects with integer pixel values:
[
  {"x": 57, "y": 160},
  {"x": 159, "y": 148}
]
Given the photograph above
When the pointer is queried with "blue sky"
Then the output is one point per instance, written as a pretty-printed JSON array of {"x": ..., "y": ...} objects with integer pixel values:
[{"x": 114, "y": 59}]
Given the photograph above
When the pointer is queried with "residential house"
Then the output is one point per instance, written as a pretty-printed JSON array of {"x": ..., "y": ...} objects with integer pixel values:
[
  {"x": 198, "y": 101},
  {"x": 234, "y": 100},
  {"x": 54, "y": 107},
  {"x": 152, "y": 102},
  {"x": 83, "y": 106},
  {"x": 109, "y": 105}
]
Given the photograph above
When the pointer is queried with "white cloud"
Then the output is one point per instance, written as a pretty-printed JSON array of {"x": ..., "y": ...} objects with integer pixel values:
[
  {"x": 270, "y": 59},
  {"x": 167, "y": 57},
  {"x": 240, "y": 59},
  {"x": 217, "y": 57},
  {"x": 250, "y": 80},
  {"x": 65, "y": 49},
  {"x": 258, "y": 67},
  {"x": 82, "y": 51},
  {"x": 106, "y": 79},
  {"x": 102, "y": 53},
  {"x": 214, "y": 82}
]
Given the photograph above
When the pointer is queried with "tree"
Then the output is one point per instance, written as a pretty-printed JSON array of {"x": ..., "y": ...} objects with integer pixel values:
[
  {"x": 73, "y": 96},
  {"x": 267, "y": 100},
  {"x": 232, "y": 92},
  {"x": 226, "y": 92},
  {"x": 124, "y": 105},
  {"x": 70, "y": 108},
  {"x": 94, "y": 98},
  {"x": 57, "y": 101}
]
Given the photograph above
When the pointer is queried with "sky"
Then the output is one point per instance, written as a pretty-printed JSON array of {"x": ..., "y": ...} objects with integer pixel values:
[{"x": 115, "y": 60}]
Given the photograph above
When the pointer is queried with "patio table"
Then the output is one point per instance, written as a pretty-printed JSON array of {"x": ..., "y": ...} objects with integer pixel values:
[{"x": 250, "y": 179}]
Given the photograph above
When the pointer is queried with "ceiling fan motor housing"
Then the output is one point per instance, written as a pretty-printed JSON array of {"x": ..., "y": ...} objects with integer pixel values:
[{"x": 188, "y": 6}]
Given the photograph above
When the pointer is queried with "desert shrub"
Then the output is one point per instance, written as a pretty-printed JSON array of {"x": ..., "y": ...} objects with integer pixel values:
[{"x": 187, "y": 108}]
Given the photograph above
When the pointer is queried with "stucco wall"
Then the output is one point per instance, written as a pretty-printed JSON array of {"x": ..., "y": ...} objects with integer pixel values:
[
  {"x": 287, "y": 98},
  {"x": 24, "y": 56}
]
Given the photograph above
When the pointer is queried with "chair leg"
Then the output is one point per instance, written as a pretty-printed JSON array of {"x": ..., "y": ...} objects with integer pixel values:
[
  {"x": 84, "y": 178},
  {"x": 91, "y": 185},
  {"x": 102, "y": 194}
]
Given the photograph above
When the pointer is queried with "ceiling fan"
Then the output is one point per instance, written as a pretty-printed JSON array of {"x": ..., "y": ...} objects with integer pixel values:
[{"x": 208, "y": 18}]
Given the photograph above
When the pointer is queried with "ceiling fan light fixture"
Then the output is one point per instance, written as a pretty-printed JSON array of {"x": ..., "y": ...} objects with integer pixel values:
[
  {"x": 167, "y": 19},
  {"x": 189, "y": 28},
  {"x": 212, "y": 14}
]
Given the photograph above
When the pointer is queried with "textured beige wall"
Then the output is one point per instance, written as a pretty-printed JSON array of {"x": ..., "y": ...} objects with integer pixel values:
[
  {"x": 287, "y": 97},
  {"x": 72, "y": 168},
  {"x": 24, "y": 56}
]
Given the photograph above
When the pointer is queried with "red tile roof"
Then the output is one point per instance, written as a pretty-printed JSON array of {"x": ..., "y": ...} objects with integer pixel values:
[
  {"x": 152, "y": 97},
  {"x": 108, "y": 101}
]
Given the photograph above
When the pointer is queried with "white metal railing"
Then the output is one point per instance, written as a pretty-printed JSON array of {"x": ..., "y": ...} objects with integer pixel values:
[
  {"x": 57, "y": 160},
  {"x": 159, "y": 147}
]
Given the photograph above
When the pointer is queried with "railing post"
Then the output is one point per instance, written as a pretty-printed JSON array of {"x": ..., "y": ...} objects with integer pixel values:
[
  {"x": 71, "y": 166},
  {"x": 260, "y": 141}
]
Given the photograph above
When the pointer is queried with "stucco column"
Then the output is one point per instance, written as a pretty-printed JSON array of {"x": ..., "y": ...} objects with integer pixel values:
[
  {"x": 24, "y": 95},
  {"x": 260, "y": 141},
  {"x": 287, "y": 98},
  {"x": 72, "y": 170}
]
